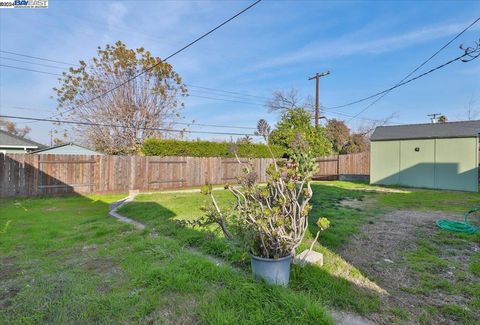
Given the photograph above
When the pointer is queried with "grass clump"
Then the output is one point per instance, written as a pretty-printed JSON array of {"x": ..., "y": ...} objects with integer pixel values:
[{"x": 63, "y": 260}]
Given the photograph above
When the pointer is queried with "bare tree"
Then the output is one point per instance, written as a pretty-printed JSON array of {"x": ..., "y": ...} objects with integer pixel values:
[
  {"x": 148, "y": 101},
  {"x": 470, "y": 108},
  {"x": 284, "y": 100},
  {"x": 367, "y": 127}
]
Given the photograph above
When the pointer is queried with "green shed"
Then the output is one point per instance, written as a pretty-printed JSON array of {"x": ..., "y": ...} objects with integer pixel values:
[{"x": 435, "y": 155}]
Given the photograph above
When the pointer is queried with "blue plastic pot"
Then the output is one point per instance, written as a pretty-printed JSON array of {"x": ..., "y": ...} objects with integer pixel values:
[{"x": 272, "y": 270}]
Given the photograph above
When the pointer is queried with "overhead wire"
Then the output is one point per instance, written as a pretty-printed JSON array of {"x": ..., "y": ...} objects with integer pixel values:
[
  {"x": 228, "y": 92},
  {"x": 418, "y": 67},
  {"x": 166, "y": 59},
  {"x": 218, "y": 92},
  {"x": 120, "y": 126},
  {"x": 419, "y": 76},
  {"x": 138, "y": 74},
  {"x": 382, "y": 94},
  {"x": 412, "y": 72},
  {"x": 232, "y": 99},
  {"x": 36, "y": 57},
  {"x": 34, "y": 63},
  {"x": 31, "y": 70}
]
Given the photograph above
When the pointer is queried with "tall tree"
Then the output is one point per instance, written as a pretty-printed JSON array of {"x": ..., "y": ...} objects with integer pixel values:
[
  {"x": 442, "y": 119},
  {"x": 299, "y": 121},
  {"x": 338, "y": 133},
  {"x": 151, "y": 100},
  {"x": 356, "y": 143},
  {"x": 12, "y": 128}
]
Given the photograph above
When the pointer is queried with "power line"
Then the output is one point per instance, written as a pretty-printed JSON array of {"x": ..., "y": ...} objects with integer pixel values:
[
  {"x": 215, "y": 125},
  {"x": 119, "y": 126},
  {"x": 467, "y": 53},
  {"x": 234, "y": 97},
  {"x": 417, "y": 68},
  {"x": 224, "y": 99},
  {"x": 228, "y": 92},
  {"x": 348, "y": 115},
  {"x": 167, "y": 58},
  {"x": 38, "y": 58},
  {"x": 234, "y": 100},
  {"x": 216, "y": 91},
  {"x": 204, "y": 97},
  {"x": 176, "y": 123},
  {"x": 30, "y": 62},
  {"x": 31, "y": 70}
]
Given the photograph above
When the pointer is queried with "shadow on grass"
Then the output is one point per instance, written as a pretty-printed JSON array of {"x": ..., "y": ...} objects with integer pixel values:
[
  {"x": 337, "y": 284},
  {"x": 91, "y": 269}
]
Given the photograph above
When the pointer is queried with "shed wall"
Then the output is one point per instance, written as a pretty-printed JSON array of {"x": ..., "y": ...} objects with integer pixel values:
[
  {"x": 456, "y": 164},
  {"x": 450, "y": 164},
  {"x": 385, "y": 162},
  {"x": 417, "y": 167}
]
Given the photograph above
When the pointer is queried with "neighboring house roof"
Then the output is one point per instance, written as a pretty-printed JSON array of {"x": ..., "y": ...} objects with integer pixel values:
[
  {"x": 15, "y": 141},
  {"x": 67, "y": 149},
  {"x": 463, "y": 129}
]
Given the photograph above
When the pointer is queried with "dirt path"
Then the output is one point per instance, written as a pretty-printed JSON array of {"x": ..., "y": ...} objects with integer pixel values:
[
  {"x": 339, "y": 317},
  {"x": 378, "y": 251}
]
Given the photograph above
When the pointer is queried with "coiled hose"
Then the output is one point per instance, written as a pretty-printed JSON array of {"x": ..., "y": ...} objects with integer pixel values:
[{"x": 459, "y": 226}]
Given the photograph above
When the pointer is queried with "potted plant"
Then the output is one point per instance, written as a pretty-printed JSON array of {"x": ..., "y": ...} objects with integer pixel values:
[{"x": 270, "y": 221}]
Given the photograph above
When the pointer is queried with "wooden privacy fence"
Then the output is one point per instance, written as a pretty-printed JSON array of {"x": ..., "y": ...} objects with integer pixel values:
[
  {"x": 355, "y": 164},
  {"x": 37, "y": 175}
]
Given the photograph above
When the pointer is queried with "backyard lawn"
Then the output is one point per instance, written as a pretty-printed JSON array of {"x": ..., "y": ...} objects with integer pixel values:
[{"x": 63, "y": 260}]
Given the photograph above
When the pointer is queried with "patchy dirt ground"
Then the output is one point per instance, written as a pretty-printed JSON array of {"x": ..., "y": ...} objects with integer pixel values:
[
  {"x": 8, "y": 271},
  {"x": 379, "y": 252}
]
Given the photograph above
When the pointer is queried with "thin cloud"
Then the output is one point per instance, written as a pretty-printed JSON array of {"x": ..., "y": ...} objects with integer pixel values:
[
  {"x": 117, "y": 12},
  {"x": 350, "y": 45}
]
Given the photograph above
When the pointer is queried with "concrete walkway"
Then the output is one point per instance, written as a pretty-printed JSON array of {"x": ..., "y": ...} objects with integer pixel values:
[
  {"x": 118, "y": 204},
  {"x": 339, "y": 317}
]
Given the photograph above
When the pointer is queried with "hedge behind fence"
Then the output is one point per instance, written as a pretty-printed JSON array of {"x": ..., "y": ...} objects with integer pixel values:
[{"x": 161, "y": 147}]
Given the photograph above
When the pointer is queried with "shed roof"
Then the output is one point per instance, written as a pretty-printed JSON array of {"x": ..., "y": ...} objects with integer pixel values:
[
  {"x": 462, "y": 129},
  {"x": 67, "y": 149},
  {"x": 11, "y": 140}
]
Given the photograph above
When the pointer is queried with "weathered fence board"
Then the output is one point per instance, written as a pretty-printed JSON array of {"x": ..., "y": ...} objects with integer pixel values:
[{"x": 38, "y": 175}]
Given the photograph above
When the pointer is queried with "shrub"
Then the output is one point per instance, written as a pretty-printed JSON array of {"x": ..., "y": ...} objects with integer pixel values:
[
  {"x": 299, "y": 121},
  {"x": 269, "y": 221},
  {"x": 162, "y": 147}
]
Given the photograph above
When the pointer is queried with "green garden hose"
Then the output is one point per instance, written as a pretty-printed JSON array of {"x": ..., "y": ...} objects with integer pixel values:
[{"x": 459, "y": 226}]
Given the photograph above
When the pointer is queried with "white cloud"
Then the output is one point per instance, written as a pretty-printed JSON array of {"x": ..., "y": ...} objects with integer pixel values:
[
  {"x": 116, "y": 14},
  {"x": 352, "y": 45}
]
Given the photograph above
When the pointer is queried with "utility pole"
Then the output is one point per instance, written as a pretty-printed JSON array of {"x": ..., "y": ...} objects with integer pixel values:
[
  {"x": 317, "y": 77},
  {"x": 433, "y": 117}
]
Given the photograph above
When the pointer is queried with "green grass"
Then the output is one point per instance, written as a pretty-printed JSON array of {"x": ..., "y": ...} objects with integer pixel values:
[
  {"x": 344, "y": 221},
  {"x": 437, "y": 253},
  {"x": 436, "y": 257},
  {"x": 430, "y": 200},
  {"x": 475, "y": 264},
  {"x": 332, "y": 284},
  {"x": 64, "y": 261}
]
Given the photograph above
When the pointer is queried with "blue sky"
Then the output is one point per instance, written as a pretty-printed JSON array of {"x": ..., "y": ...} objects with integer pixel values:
[{"x": 367, "y": 46}]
